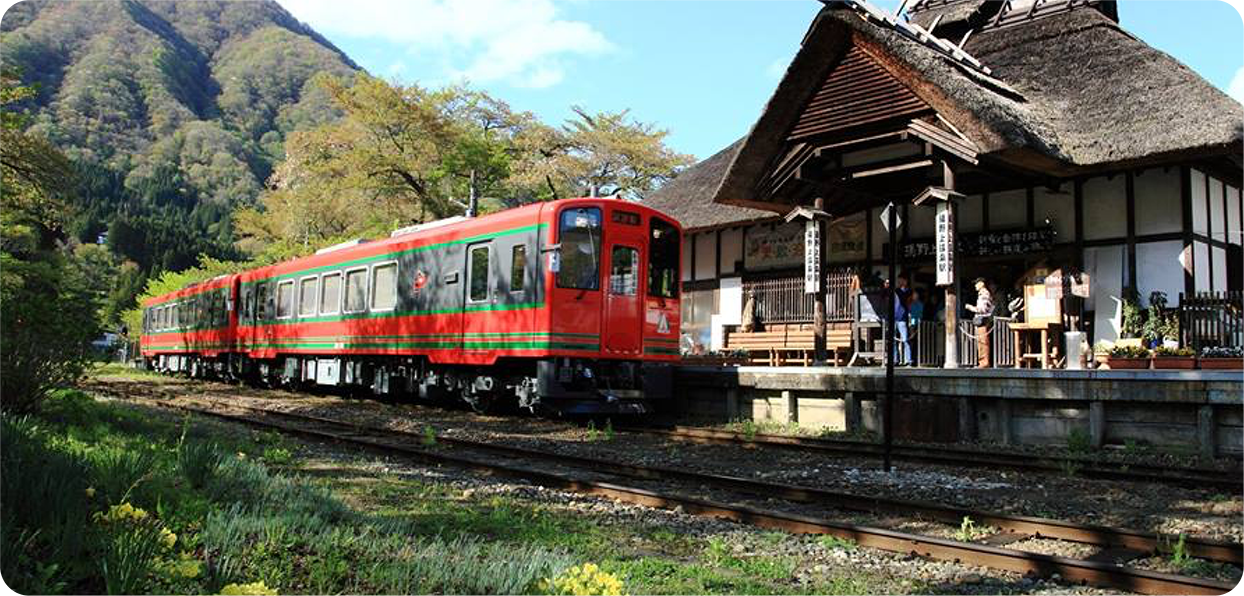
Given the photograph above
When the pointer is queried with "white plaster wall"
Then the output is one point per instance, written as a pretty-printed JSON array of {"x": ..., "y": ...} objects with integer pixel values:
[
  {"x": 1200, "y": 221},
  {"x": 1008, "y": 209},
  {"x": 969, "y": 213},
  {"x": 686, "y": 258},
  {"x": 731, "y": 249},
  {"x": 1200, "y": 256},
  {"x": 1217, "y": 215},
  {"x": 883, "y": 153},
  {"x": 1157, "y": 201},
  {"x": 1059, "y": 209},
  {"x": 1105, "y": 208},
  {"x": 1235, "y": 235},
  {"x": 1107, "y": 267},
  {"x": 1158, "y": 268},
  {"x": 1220, "y": 269},
  {"x": 706, "y": 255}
]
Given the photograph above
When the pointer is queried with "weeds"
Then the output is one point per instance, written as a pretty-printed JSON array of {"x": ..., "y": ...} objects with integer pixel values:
[
  {"x": 1079, "y": 442},
  {"x": 968, "y": 530},
  {"x": 197, "y": 462},
  {"x": 429, "y": 436},
  {"x": 277, "y": 456},
  {"x": 716, "y": 551},
  {"x": 1070, "y": 468},
  {"x": 833, "y": 542},
  {"x": 609, "y": 434}
]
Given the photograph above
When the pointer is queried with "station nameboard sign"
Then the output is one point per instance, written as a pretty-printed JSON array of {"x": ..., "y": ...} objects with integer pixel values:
[
  {"x": 812, "y": 257},
  {"x": 945, "y": 243},
  {"x": 987, "y": 244}
]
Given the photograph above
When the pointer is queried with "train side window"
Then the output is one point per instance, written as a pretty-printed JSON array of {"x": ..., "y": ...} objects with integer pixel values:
[
  {"x": 307, "y": 293},
  {"x": 263, "y": 308},
  {"x": 330, "y": 293},
  {"x": 285, "y": 299},
  {"x": 623, "y": 271},
  {"x": 356, "y": 290},
  {"x": 245, "y": 310},
  {"x": 578, "y": 233},
  {"x": 477, "y": 273},
  {"x": 663, "y": 259},
  {"x": 162, "y": 324},
  {"x": 175, "y": 319},
  {"x": 518, "y": 268},
  {"x": 384, "y": 286}
]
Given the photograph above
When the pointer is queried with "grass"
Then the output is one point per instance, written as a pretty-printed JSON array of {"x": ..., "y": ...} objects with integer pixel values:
[{"x": 249, "y": 506}]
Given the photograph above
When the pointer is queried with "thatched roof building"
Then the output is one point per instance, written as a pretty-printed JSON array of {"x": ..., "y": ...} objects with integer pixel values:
[{"x": 1065, "y": 92}]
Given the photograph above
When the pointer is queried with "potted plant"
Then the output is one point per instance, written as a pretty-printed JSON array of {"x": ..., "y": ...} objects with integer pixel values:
[
  {"x": 1128, "y": 358},
  {"x": 1222, "y": 358},
  {"x": 1177, "y": 358}
]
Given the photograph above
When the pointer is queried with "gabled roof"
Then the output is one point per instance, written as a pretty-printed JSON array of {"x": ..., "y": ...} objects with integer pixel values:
[{"x": 1065, "y": 94}]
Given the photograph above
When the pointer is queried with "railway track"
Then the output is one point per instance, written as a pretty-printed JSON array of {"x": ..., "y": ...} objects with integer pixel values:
[
  {"x": 595, "y": 477},
  {"x": 1089, "y": 468}
]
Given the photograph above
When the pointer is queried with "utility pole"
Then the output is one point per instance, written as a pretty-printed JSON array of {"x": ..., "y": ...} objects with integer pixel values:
[
  {"x": 887, "y": 424},
  {"x": 472, "y": 201}
]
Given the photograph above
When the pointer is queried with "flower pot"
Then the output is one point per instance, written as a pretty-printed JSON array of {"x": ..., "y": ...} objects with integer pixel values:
[
  {"x": 1117, "y": 363},
  {"x": 1175, "y": 362},
  {"x": 1222, "y": 364}
]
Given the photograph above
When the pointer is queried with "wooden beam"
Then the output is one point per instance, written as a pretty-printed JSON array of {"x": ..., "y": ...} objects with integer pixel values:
[
  {"x": 1189, "y": 273},
  {"x": 879, "y": 169},
  {"x": 1130, "y": 187}
]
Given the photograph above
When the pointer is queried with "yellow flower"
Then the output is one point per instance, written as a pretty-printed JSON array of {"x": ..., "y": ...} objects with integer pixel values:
[
  {"x": 256, "y": 589},
  {"x": 90, "y": 492},
  {"x": 587, "y": 580},
  {"x": 119, "y": 513},
  {"x": 167, "y": 537},
  {"x": 242, "y": 455},
  {"x": 187, "y": 569}
]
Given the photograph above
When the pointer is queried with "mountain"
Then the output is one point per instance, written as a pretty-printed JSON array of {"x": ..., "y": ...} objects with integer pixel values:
[{"x": 174, "y": 112}]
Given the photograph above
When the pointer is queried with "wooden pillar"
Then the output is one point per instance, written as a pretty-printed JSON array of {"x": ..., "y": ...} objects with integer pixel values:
[
  {"x": 732, "y": 404},
  {"x": 819, "y": 333},
  {"x": 952, "y": 298}
]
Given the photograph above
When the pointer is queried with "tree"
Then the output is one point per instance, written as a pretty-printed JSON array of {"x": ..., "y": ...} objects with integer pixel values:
[
  {"x": 48, "y": 306},
  {"x": 608, "y": 151},
  {"x": 398, "y": 154}
]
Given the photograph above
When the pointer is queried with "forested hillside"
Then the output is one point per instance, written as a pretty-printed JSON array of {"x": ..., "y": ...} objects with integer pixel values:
[{"x": 172, "y": 113}]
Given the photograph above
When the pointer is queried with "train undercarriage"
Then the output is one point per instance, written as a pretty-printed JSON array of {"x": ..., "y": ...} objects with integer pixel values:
[{"x": 556, "y": 386}]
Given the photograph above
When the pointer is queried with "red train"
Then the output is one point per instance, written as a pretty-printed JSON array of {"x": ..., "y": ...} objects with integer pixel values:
[{"x": 569, "y": 306}]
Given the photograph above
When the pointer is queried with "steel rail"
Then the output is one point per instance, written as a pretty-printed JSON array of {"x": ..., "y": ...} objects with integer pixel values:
[
  {"x": 959, "y": 457},
  {"x": 1076, "y": 570}
]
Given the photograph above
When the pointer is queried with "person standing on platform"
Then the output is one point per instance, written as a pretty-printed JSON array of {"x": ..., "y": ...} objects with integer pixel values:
[
  {"x": 915, "y": 314},
  {"x": 902, "y": 297},
  {"x": 982, "y": 313}
]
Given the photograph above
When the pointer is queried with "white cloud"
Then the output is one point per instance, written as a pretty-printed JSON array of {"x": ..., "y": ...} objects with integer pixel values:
[
  {"x": 521, "y": 42},
  {"x": 1236, "y": 88}
]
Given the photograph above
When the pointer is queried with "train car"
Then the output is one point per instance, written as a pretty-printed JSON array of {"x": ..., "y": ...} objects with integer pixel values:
[
  {"x": 570, "y": 306},
  {"x": 192, "y": 330}
]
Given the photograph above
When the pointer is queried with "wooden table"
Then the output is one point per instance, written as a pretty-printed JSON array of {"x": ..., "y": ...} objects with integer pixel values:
[{"x": 1045, "y": 329}]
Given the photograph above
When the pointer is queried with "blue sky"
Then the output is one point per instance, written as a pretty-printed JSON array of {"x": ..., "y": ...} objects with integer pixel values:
[{"x": 701, "y": 69}]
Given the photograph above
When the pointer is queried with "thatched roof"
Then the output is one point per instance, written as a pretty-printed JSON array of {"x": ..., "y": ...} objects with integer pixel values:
[
  {"x": 689, "y": 197},
  {"x": 1068, "y": 94},
  {"x": 952, "y": 15}
]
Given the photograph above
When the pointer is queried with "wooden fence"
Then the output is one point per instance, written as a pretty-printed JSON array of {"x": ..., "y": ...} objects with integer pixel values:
[
  {"x": 783, "y": 300},
  {"x": 1212, "y": 319}
]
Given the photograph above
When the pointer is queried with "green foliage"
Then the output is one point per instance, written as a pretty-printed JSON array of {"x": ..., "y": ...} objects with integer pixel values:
[
  {"x": 1078, "y": 441},
  {"x": 1173, "y": 352},
  {"x": 429, "y": 436},
  {"x": 609, "y": 434},
  {"x": 836, "y": 543},
  {"x": 1133, "y": 317},
  {"x": 968, "y": 530},
  {"x": 197, "y": 461},
  {"x": 1129, "y": 352}
]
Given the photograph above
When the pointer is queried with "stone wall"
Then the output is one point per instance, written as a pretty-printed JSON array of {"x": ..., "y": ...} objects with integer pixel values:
[{"x": 1182, "y": 411}]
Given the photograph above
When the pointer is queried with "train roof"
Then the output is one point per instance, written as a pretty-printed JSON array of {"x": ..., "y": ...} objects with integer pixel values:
[{"x": 449, "y": 230}]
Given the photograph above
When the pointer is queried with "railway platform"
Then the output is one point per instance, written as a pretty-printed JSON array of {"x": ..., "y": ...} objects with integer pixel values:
[{"x": 1180, "y": 411}]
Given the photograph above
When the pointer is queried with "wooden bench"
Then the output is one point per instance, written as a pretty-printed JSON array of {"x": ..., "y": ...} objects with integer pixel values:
[{"x": 789, "y": 345}]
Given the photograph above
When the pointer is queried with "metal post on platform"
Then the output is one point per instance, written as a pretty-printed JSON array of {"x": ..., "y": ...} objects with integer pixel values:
[{"x": 887, "y": 424}]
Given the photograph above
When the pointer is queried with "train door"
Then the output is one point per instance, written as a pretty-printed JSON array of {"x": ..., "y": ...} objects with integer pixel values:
[
  {"x": 622, "y": 316},
  {"x": 481, "y": 297},
  {"x": 576, "y": 293}
]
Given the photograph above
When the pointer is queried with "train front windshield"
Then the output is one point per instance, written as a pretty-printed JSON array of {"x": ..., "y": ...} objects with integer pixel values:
[{"x": 663, "y": 246}]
